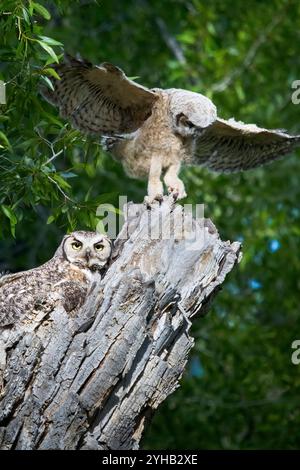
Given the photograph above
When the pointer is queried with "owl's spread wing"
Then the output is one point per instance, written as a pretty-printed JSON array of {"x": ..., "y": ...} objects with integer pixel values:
[
  {"x": 99, "y": 99},
  {"x": 231, "y": 146}
]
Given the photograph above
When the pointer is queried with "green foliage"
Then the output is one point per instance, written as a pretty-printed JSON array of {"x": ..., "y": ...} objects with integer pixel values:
[
  {"x": 240, "y": 390},
  {"x": 39, "y": 152}
]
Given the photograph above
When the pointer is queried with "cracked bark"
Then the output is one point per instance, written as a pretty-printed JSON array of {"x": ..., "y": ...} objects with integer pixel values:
[{"x": 91, "y": 380}]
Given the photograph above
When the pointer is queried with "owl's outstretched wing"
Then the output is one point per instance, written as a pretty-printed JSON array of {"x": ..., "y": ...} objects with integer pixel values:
[
  {"x": 99, "y": 99},
  {"x": 231, "y": 146}
]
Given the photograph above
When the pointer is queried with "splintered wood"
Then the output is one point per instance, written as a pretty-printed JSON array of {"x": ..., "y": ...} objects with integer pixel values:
[{"x": 91, "y": 380}]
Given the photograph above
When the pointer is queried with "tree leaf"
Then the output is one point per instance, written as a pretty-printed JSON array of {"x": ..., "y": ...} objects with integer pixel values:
[
  {"x": 49, "y": 50},
  {"x": 51, "y": 72},
  {"x": 41, "y": 10},
  {"x": 48, "y": 82},
  {"x": 50, "y": 219},
  {"x": 5, "y": 140},
  {"x": 9, "y": 213},
  {"x": 50, "y": 41},
  {"x": 26, "y": 15}
]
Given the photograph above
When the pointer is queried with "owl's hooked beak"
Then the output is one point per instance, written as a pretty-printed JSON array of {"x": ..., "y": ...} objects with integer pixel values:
[{"x": 88, "y": 254}]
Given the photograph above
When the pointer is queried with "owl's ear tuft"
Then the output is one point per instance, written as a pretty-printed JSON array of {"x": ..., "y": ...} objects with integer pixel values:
[{"x": 60, "y": 249}]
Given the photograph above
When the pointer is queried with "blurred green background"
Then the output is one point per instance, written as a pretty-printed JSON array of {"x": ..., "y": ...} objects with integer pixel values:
[{"x": 240, "y": 390}]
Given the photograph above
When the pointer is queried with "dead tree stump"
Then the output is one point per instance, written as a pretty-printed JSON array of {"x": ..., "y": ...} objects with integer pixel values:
[{"x": 91, "y": 380}]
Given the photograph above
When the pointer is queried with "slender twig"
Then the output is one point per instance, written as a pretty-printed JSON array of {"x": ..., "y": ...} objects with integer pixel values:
[
  {"x": 249, "y": 58},
  {"x": 60, "y": 190},
  {"x": 13, "y": 78},
  {"x": 54, "y": 156},
  {"x": 50, "y": 145},
  {"x": 170, "y": 41},
  {"x": 43, "y": 138}
]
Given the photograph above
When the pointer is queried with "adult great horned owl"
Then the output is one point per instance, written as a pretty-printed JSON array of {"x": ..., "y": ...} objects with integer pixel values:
[
  {"x": 153, "y": 131},
  {"x": 64, "y": 279}
]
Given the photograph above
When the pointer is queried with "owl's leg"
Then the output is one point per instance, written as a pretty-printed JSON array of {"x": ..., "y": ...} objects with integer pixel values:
[
  {"x": 155, "y": 186},
  {"x": 173, "y": 182}
]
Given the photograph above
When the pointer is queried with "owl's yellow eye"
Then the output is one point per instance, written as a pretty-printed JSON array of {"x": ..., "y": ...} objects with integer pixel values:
[
  {"x": 76, "y": 245},
  {"x": 98, "y": 247}
]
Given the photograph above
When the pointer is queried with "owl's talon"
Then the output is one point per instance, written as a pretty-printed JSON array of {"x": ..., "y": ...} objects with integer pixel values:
[
  {"x": 151, "y": 200},
  {"x": 177, "y": 193},
  {"x": 173, "y": 192},
  {"x": 108, "y": 143}
]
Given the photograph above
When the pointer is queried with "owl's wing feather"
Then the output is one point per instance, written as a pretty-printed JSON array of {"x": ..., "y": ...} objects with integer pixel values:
[
  {"x": 7, "y": 278},
  {"x": 231, "y": 146},
  {"x": 99, "y": 99},
  {"x": 7, "y": 318}
]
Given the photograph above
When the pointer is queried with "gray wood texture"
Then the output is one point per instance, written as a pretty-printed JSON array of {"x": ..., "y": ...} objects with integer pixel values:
[{"x": 92, "y": 380}]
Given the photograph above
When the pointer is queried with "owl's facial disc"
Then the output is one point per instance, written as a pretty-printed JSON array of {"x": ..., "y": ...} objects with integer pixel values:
[{"x": 88, "y": 250}]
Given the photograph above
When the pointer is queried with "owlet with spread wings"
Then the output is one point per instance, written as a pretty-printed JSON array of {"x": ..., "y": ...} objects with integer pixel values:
[{"x": 153, "y": 131}]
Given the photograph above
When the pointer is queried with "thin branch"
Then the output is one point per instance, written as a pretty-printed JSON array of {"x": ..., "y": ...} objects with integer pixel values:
[
  {"x": 249, "y": 58},
  {"x": 60, "y": 190},
  {"x": 170, "y": 41},
  {"x": 50, "y": 145},
  {"x": 54, "y": 156}
]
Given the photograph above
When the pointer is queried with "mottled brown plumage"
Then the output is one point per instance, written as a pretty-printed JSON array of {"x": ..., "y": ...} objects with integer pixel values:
[
  {"x": 64, "y": 279},
  {"x": 153, "y": 131}
]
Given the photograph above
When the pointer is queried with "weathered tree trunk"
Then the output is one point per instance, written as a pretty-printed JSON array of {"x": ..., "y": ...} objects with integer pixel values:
[{"x": 91, "y": 380}]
